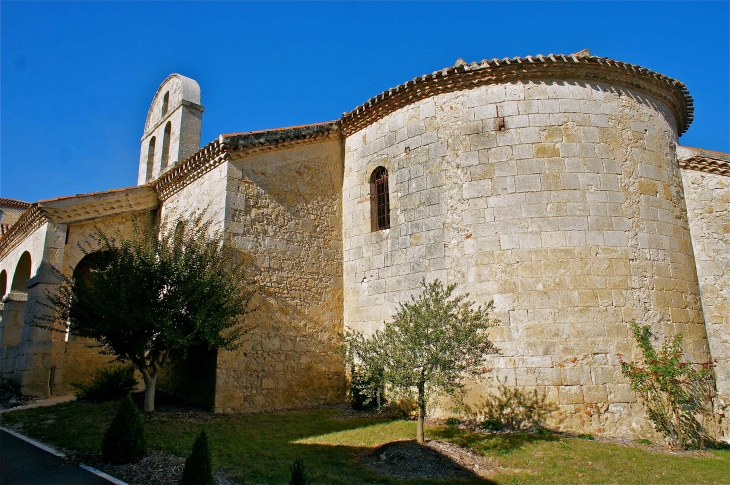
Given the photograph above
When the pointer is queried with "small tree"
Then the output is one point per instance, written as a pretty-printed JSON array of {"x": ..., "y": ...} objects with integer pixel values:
[
  {"x": 677, "y": 395},
  {"x": 162, "y": 290},
  {"x": 125, "y": 440},
  {"x": 199, "y": 465},
  {"x": 431, "y": 344}
]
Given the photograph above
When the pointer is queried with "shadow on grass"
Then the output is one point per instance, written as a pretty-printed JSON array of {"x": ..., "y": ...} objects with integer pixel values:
[
  {"x": 499, "y": 443},
  {"x": 259, "y": 448},
  {"x": 254, "y": 448}
]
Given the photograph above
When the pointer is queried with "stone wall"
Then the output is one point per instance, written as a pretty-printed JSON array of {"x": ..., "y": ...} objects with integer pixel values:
[
  {"x": 17, "y": 309},
  {"x": 206, "y": 193},
  {"x": 563, "y": 202},
  {"x": 708, "y": 206},
  {"x": 283, "y": 209}
]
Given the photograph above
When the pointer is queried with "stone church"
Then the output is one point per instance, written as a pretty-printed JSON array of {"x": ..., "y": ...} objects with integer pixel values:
[{"x": 553, "y": 185}]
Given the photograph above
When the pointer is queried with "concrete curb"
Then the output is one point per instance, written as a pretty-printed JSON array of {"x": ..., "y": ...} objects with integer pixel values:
[
  {"x": 103, "y": 475},
  {"x": 57, "y": 453}
]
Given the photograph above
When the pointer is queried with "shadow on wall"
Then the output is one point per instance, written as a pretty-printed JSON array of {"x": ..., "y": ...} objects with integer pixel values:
[
  {"x": 289, "y": 359},
  {"x": 191, "y": 377},
  {"x": 509, "y": 408}
]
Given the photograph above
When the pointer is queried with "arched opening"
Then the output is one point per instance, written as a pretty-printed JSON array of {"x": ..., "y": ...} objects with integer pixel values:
[
  {"x": 22, "y": 274},
  {"x": 165, "y": 101},
  {"x": 166, "y": 146},
  {"x": 3, "y": 283},
  {"x": 150, "y": 158},
  {"x": 15, "y": 303},
  {"x": 83, "y": 271},
  {"x": 379, "y": 199}
]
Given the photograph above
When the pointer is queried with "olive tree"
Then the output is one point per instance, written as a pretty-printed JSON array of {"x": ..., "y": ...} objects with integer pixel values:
[
  {"x": 162, "y": 290},
  {"x": 432, "y": 343}
]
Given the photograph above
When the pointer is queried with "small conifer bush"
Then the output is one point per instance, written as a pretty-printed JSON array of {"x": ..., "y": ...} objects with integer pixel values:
[
  {"x": 198, "y": 467},
  {"x": 298, "y": 473},
  {"x": 125, "y": 440},
  {"x": 109, "y": 384}
]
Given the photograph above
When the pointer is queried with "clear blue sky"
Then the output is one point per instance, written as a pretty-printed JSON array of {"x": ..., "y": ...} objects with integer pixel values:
[{"x": 77, "y": 78}]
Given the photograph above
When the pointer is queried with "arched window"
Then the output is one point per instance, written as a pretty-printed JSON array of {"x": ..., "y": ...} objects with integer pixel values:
[
  {"x": 165, "y": 101},
  {"x": 150, "y": 158},
  {"x": 166, "y": 146},
  {"x": 3, "y": 283},
  {"x": 380, "y": 199}
]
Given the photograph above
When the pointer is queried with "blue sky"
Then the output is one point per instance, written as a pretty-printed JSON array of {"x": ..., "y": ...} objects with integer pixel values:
[{"x": 77, "y": 78}]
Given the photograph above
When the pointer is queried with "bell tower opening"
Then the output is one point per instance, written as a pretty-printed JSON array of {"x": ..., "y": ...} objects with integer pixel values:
[{"x": 172, "y": 129}]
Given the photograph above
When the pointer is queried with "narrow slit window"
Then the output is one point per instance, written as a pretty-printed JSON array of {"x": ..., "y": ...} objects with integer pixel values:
[
  {"x": 380, "y": 199},
  {"x": 166, "y": 146},
  {"x": 165, "y": 101},
  {"x": 150, "y": 158}
]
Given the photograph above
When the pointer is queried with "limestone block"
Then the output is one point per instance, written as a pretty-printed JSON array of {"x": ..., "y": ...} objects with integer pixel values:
[
  {"x": 570, "y": 394},
  {"x": 595, "y": 394}
]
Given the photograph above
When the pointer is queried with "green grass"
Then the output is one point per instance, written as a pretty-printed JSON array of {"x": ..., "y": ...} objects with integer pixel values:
[
  {"x": 554, "y": 459},
  {"x": 259, "y": 448}
]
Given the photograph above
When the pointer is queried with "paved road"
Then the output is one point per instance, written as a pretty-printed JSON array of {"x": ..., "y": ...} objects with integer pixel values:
[{"x": 23, "y": 464}]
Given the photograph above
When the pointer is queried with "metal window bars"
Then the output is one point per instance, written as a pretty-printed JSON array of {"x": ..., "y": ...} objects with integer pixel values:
[{"x": 382, "y": 201}]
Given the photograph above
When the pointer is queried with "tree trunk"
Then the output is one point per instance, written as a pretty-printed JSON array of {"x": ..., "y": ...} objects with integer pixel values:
[
  {"x": 420, "y": 435},
  {"x": 150, "y": 381}
]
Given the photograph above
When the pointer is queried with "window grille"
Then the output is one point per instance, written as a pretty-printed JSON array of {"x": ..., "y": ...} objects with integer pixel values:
[{"x": 381, "y": 199}]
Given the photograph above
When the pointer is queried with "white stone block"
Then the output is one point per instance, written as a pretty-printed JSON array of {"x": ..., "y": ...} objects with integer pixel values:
[
  {"x": 427, "y": 110},
  {"x": 548, "y": 106},
  {"x": 527, "y": 183}
]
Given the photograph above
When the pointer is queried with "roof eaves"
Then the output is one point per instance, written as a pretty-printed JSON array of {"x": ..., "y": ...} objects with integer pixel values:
[
  {"x": 701, "y": 160},
  {"x": 61, "y": 209},
  {"x": 14, "y": 203},
  {"x": 579, "y": 66},
  {"x": 31, "y": 220},
  {"x": 239, "y": 145}
]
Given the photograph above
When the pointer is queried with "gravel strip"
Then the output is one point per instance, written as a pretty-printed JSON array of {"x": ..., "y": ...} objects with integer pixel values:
[{"x": 157, "y": 468}]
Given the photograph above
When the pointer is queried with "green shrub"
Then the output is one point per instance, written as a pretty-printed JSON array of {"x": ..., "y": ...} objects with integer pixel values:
[
  {"x": 366, "y": 391},
  {"x": 298, "y": 473},
  {"x": 10, "y": 395},
  {"x": 451, "y": 422},
  {"x": 109, "y": 384},
  {"x": 677, "y": 396},
  {"x": 403, "y": 408},
  {"x": 492, "y": 425},
  {"x": 199, "y": 467},
  {"x": 125, "y": 440}
]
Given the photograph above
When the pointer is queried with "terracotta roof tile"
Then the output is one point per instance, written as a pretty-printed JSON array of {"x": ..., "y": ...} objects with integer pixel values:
[
  {"x": 14, "y": 203},
  {"x": 578, "y": 66}
]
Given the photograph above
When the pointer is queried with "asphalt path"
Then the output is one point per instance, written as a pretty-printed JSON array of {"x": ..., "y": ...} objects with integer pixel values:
[{"x": 23, "y": 464}]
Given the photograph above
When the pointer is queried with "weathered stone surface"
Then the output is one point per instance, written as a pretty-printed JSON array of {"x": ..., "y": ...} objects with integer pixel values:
[
  {"x": 559, "y": 198},
  {"x": 283, "y": 210},
  {"x": 708, "y": 207},
  {"x": 172, "y": 129},
  {"x": 574, "y": 228}
]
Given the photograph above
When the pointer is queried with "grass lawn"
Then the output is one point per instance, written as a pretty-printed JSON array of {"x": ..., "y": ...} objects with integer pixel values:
[{"x": 259, "y": 448}]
